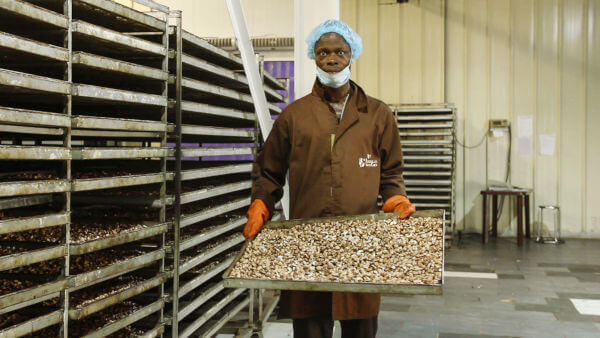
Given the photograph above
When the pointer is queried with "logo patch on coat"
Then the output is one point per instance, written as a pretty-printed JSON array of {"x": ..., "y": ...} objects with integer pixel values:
[{"x": 368, "y": 161}]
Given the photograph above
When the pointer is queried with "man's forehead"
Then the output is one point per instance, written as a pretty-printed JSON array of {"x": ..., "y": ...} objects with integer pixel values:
[{"x": 331, "y": 39}]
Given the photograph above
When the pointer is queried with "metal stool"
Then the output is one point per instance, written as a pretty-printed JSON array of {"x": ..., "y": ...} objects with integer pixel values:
[{"x": 540, "y": 238}]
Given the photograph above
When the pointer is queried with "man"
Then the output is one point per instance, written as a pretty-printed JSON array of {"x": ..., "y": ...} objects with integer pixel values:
[{"x": 342, "y": 149}]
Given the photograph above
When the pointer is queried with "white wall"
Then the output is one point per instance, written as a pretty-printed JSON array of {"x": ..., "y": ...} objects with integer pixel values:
[
  {"x": 507, "y": 58},
  {"x": 498, "y": 59},
  {"x": 209, "y": 18},
  {"x": 307, "y": 15}
]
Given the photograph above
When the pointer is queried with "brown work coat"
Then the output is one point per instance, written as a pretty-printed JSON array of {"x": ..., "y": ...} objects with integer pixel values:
[{"x": 334, "y": 169}]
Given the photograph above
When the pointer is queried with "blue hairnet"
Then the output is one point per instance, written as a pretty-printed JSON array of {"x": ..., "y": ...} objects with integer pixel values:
[{"x": 335, "y": 26}]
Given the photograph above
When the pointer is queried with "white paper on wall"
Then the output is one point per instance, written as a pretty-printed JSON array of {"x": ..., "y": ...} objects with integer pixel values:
[
  {"x": 525, "y": 135},
  {"x": 547, "y": 144},
  {"x": 498, "y": 133},
  {"x": 524, "y": 146},
  {"x": 525, "y": 125}
]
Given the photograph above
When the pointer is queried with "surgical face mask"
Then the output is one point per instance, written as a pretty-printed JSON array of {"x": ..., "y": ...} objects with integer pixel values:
[{"x": 334, "y": 80}]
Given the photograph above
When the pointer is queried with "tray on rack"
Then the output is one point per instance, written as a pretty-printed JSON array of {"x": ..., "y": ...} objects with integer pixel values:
[{"x": 424, "y": 289}]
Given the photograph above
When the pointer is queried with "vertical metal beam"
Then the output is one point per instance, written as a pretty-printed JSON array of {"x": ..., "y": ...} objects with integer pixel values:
[
  {"x": 257, "y": 91},
  {"x": 68, "y": 76},
  {"x": 176, "y": 15},
  {"x": 261, "y": 107},
  {"x": 163, "y": 144},
  {"x": 251, "y": 321}
]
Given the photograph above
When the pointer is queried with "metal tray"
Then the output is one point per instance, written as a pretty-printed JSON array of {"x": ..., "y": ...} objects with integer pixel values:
[
  {"x": 202, "y": 194},
  {"x": 210, "y": 234},
  {"x": 231, "y": 282},
  {"x": 34, "y": 187},
  {"x": 215, "y": 326},
  {"x": 114, "y": 270},
  {"x": 101, "y": 304},
  {"x": 115, "y": 181},
  {"x": 203, "y": 256},
  {"x": 234, "y": 79},
  {"x": 128, "y": 320},
  {"x": 194, "y": 174},
  {"x": 118, "y": 239},
  {"x": 206, "y": 214},
  {"x": 237, "y": 99},
  {"x": 33, "y": 117},
  {"x": 34, "y": 222},
  {"x": 34, "y": 153},
  {"x": 35, "y": 294},
  {"x": 193, "y": 152},
  {"x": 216, "y": 131},
  {"x": 24, "y": 81},
  {"x": 24, "y": 45},
  {"x": 216, "y": 111},
  {"x": 33, "y": 325},
  {"x": 208, "y": 52},
  {"x": 34, "y": 12},
  {"x": 118, "y": 152},
  {"x": 24, "y": 201},
  {"x": 273, "y": 82},
  {"x": 201, "y": 279},
  {"x": 210, "y": 312},
  {"x": 157, "y": 331},
  {"x": 108, "y": 123},
  {"x": 185, "y": 308},
  {"x": 425, "y": 125},
  {"x": 100, "y": 34},
  {"x": 127, "y": 15},
  {"x": 117, "y": 67},
  {"x": 20, "y": 259},
  {"x": 117, "y": 95}
]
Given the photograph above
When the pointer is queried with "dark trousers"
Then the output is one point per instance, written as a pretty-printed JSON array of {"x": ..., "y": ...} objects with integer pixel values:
[{"x": 319, "y": 327}]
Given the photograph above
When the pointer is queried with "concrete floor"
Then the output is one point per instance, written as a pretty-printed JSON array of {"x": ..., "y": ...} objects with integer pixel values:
[{"x": 500, "y": 290}]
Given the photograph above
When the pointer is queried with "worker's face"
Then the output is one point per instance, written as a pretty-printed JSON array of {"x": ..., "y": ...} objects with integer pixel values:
[{"x": 332, "y": 53}]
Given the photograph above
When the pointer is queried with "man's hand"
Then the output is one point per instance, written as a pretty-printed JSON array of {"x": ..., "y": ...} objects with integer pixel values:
[
  {"x": 257, "y": 215},
  {"x": 401, "y": 204}
]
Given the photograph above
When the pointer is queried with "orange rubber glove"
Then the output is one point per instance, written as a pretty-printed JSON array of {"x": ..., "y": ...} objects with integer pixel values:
[
  {"x": 401, "y": 204},
  {"x": 257, "y": 215}
]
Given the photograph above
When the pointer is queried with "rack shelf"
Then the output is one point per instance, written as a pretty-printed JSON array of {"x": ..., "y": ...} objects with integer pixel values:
[
  {"x": 118, "y": 239},
  {"x": 427, "y": 133},
  {"x": 10, "y": 42},
  {"x": 116, "y": 67},
  {"x": 29, "y": 12},
  {"x": 129, "y": 17},
  {"x": 115, "y": 39},
  {"x": 24, "y": 82},
  {"x": 35, "y": 222}
]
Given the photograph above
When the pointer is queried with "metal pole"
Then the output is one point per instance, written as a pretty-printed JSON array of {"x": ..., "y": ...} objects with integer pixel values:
[
  {"x": 177, "y": 179},
  {"x": 68, "y": 76},
  {"x": 163, "y": 144},
  {"x": 250, "y": 65},
  {"x": 261, "y": 107}
]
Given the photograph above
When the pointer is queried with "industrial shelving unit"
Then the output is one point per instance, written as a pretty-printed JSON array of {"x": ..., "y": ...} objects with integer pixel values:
[
  {"x": 428, "y": 145},
  {"x": 84, "y": 124},
  {"x": 119, "y": 134},
  {"x": 126, "y": 147},
  {"x": 34, "y": 174},
  {"x": 215, "y": 139}
]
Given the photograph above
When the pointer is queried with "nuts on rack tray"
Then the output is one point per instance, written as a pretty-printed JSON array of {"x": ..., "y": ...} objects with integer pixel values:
[
  {"x": 100, "y": 259},
  {"x": 107, "y": 316},
  {"x": 389, "y": 251},
  {"x": 92, "y": 230}
]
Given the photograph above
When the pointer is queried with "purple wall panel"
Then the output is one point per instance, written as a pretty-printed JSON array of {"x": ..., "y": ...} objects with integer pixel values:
[
  {"x": 282, "y": 69},
  {"x": 279, "y": 69}
]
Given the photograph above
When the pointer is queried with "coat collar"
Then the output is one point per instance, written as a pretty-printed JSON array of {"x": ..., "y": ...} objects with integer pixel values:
[
  {"x": 358, "y": 98},
  {"x": 356, "y": 103}
]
